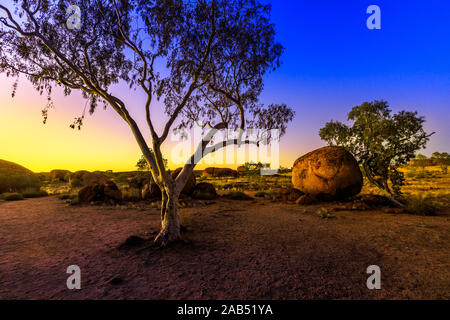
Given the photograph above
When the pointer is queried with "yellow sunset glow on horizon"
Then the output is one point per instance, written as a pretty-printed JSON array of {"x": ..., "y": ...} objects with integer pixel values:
[{"x": 105, "y": 142}]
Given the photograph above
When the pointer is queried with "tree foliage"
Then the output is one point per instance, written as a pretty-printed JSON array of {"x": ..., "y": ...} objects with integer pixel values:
[
  {"x": 380, "y": 141},
  {"x": 142, "y": 164},
  {"x": 254, "y": 168},
  {"x": 421, "y": 161},
  {"x": 442, "y": 160}
]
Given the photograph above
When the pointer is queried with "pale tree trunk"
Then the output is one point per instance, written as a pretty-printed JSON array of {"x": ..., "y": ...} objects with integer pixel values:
[
  {"x": 385, "y": 188},
  {"x": 170, "y": 221}
]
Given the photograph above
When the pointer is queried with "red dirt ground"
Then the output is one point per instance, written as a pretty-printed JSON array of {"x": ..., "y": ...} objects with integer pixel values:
[{"x": 232, "y": 250}]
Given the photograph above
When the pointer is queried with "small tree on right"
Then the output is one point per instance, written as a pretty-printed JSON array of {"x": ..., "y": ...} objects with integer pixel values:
[
  {"x": 382, "y": 142},
  {"x": 442, "y": 160},
  {"x": 421, "y": 161}
]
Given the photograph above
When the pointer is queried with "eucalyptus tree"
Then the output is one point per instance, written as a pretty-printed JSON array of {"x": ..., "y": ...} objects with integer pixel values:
[
  {"x": 380, "y": 141},
  {"x": 441, "y": 159},
  {"x": 214, "y": 56}
]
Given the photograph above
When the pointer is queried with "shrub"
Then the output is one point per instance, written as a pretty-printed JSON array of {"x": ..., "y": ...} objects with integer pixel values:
[
  {"x": 132, "y": 195},
  {"x": 420, "y": 205},
  {"x": 122, "y": 178},
  {"x": 12, "y": 196},
  {"x": 35, "y": 194},
  {"x": 18, "y": 182},
  {"x": 76, "y": 183},
  {"x": 139, "y": 181},
  {"x": 44, "y": 176},
  {"x": 227, "y": 186},
  {"x": 15, "y": 178}
]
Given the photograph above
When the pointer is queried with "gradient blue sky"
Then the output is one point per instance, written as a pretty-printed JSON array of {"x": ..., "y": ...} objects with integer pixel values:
[{"x": 332, "y": 63}]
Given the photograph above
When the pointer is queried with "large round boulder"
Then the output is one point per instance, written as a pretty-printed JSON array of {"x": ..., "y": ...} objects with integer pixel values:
[
  {"x": 112, "y": 192},
  {"x": 330, "y": 173},
  {"x": 78, "y": 174},
  {"x": 151, "y": 191},
  {"x": 190, "y": 184},
  {"x": 61, "y": 175},
  {"x": 139, "y": 181},
  {"x": 86, "y": 178},
  {"x": 205, "y": 191},
  {"x": 107, "y": 192},
  {"x": 219, "y": 173},
  {"x": 241, "y": 170}
]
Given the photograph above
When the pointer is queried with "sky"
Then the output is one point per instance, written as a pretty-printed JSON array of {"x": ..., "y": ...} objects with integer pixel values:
[{"x": 332, "y": 62}]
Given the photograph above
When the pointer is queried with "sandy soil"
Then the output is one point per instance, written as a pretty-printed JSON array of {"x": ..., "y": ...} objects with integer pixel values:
[{"x": 232, "y": 250}]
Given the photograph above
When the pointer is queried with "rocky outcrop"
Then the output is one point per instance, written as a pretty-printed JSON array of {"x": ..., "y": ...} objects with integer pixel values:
[
  {"x": 100, "y": 192},
  {"x": 151, "y": 191},
  {"x": 241, "y": 170},
  {"x": 61, "y": 175},
  {"x": 290, "y": 194},
  {"x": 86, "y": 178},
  {"x": 139, "y": 181},
  {"x": 190, "y": 184},
  {"x": 219, "y": 173},
  {"x": 204, "y": 191}
]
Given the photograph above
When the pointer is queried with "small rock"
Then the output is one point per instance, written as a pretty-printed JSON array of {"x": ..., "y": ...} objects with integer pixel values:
[
  {"x": 324, "y": 213},
  {"x": 133, "y": 241},
  {"x": 306, "y": 200},
  {"x": 360, "y": 205},
  {"x": 290, "y": 194},
  {"x": 116, "y": 281}
]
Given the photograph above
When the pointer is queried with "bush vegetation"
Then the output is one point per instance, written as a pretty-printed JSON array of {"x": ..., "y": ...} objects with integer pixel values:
[
  {"x": 420, "y": 205},
  {"x": 12, "y": 196},
  {"x": 18, "y": 182},
  {"x": 15, "y": 178},
  {"x": 76, "y": 183},
  {"x": 34, "y": 194},
  {"x": 131, "y": 195}
]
